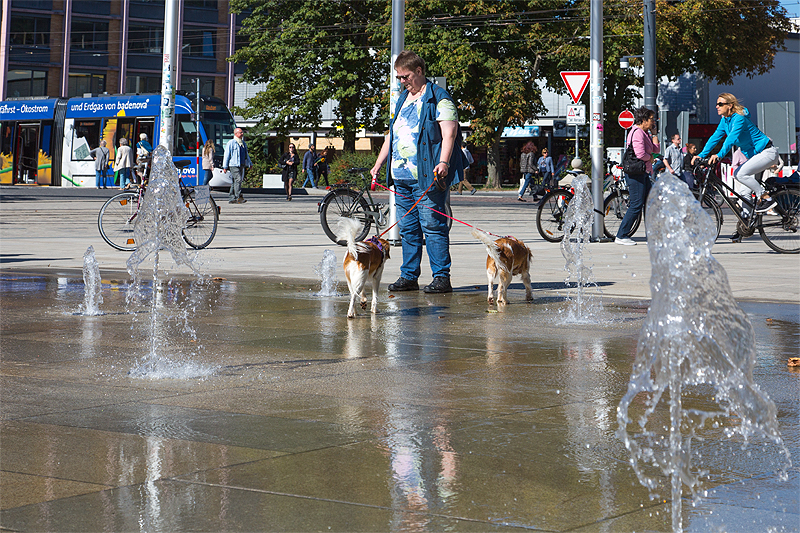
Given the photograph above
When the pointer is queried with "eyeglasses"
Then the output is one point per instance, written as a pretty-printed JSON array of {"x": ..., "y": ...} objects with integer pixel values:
[
  {"x": 403, "y": 78},
  {"x": 720, "y": 104}
]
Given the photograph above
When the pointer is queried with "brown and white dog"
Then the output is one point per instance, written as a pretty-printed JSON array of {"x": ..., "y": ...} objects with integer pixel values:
[
  {"x": 363, "y": 261},
  {"x": 508, "y": 257}
]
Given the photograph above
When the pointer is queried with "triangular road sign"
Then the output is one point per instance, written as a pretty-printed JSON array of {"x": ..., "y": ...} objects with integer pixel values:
[{"x": 576, "y": 82}]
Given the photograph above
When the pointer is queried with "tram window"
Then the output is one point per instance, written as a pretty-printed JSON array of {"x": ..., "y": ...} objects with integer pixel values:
[
  {"x": 86, "y": 137},
  {"x": 186, "y": 138},
  {"x": 219, "y": 128}
]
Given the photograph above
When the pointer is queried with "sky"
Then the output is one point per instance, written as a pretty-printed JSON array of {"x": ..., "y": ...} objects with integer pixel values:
[{"x": 792, "y": 6}]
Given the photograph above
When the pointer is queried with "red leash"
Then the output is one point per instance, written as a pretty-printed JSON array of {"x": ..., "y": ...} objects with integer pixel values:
[{"x": 432, "y": 209}]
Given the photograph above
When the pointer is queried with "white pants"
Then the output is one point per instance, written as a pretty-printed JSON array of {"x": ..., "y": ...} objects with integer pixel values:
[{"x": 746, "y": 173}]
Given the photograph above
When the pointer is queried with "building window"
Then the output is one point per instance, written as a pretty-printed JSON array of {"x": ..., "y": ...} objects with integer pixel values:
[
  {"x": 89, "y": 35},
  {"x": 189, "y": 85},
  {"x": 145, "y": 39},
  {"x": 84, "y": 83},
  {"x": 142, "y": 84},
  {"x": 27, "y": 83},
  {"x": 30, "y": 31},
  {"x": 207, "y": 4},
  {"x": 199, "y": 42}
]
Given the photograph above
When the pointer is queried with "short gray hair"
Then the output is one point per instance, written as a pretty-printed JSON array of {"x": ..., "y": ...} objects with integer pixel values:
[
  {"x": 123, "y": 142},
  {"x": 103, "y": 142}
]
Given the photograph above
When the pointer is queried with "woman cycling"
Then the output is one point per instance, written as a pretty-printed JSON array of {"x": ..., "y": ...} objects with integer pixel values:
[{"x": 736, "y": 127}]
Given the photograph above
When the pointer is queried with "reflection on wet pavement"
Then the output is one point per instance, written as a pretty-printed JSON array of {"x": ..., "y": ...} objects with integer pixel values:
[{"x": 433, "y": 415}]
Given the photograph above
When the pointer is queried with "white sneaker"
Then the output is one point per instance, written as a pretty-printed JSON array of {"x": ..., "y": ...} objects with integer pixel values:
[{"x": 625, "y": 241}]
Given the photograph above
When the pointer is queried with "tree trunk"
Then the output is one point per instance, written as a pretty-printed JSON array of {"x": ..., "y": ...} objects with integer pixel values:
[{"x": 493, "y": 163}]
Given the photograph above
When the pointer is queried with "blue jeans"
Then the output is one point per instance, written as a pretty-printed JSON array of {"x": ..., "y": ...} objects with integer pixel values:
[
  {"x": 310, "y": 177},
  {"x": 124, "y": 175},
  {"x": 638, "y": 189},
  {"x": 100, "y": 178},
  {"x": 422, "y": 221},
  {"x": 527, "y": 176},
  {"x": 208, "y": 175}
]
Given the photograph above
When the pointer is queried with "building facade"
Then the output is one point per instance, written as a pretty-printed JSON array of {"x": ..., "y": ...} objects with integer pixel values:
[{"x": 70, "y": 48}]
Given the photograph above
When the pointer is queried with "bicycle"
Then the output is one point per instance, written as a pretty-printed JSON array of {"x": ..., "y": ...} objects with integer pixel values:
[
  {"x": 553, "y": 207},
  {"x": 118, "y": 215},
  {"x": 778, "y": 227},
  {"x": 357, "y": 203}
]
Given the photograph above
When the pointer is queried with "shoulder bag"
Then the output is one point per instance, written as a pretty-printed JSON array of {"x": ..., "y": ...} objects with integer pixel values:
[{"x": 630, "y": 163}]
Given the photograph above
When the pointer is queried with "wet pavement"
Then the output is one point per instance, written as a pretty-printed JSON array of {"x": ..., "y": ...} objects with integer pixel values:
[{"x": 276, "y": 413}]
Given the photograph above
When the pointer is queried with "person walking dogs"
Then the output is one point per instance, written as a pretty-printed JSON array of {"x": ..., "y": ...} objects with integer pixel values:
[
  {"x": 423, "y": 161},
  {"x": 123, "y": 163},
  {"x": 309, "y": 158},
  {"x": 101, "y": 155},
  {"x": 238, "y": 161},
  {"x": 644, "y": 146},
  {"x": 737, "y": 129}
]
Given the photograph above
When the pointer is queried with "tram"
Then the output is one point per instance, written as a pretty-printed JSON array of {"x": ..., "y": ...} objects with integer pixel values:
[{"x": 49, "y": 141}]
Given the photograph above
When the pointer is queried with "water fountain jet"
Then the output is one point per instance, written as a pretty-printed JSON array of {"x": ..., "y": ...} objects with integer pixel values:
[{"x": 93, "y": 295}]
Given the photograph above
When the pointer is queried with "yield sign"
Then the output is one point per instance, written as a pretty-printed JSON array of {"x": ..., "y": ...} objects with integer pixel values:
[{"x": 576, "y": 82}]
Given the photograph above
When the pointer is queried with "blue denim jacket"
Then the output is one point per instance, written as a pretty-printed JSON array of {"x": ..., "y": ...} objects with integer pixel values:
[
  {"x": 429, "y": 141},
  {"x": 236, "y": 155}
]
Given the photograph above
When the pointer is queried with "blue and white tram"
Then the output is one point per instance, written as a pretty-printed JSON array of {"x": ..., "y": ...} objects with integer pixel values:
[{"x": 48, "y": 141}]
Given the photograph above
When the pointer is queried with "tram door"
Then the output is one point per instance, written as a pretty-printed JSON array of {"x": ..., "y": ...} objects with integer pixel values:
[{"x": 26, "y": 156}]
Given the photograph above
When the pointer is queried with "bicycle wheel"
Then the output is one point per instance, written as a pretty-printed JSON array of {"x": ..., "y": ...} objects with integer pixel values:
[
  {"x": 710, "y": 206},
  {"x": 780, "y": 231},
  {"x": 202, "y": 223},
  {"x": 550, "y": 215},
  {"x": 116, "y": 220},
  {"x": 614, "y": 208},
  {"x": 348, "y": 204}
]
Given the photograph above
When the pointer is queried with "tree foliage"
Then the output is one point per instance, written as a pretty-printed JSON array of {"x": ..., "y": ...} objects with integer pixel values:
[{"x": 496, "y": 55}]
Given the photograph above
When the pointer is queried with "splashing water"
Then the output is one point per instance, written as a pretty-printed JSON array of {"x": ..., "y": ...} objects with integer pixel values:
[
  {"x": 159, "y": 226},
  {"x": 326, "y": 270},
  {"x": 583, "y": 305},
  {"x": 92, "y": 286},
  {"x": 695, "y": 336}
]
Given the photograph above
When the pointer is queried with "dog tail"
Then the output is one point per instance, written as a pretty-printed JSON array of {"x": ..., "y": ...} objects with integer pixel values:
[
  {"x": 491, "y": 247},
  {"x": 349, "y": 228}
]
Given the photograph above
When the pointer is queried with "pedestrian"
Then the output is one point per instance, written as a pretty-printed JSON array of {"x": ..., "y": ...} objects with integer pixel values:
[
  {"x": 423, "y": 161},
  {"x": 322, "y": 164},
  {"x": 644, "y": 146},
  {"x": 546, "y": 170},
  {"x": 144, "y": 151},
  {"x": 689, "y": 159},
  {"x": 101, "y": 156},
  {"x": 309, "y": 158},
  {"x": 208, "y": 161},
  {"x": 290, "y": 162},
  {"x": 673, "y": 157},
  {"x": 238, "y": 161},
  {"x": 736, "y": 128},
  {"x": 123, "y": 163},
  {"x": 468, "y": 160},
  {"x": 527, "y": 167}
]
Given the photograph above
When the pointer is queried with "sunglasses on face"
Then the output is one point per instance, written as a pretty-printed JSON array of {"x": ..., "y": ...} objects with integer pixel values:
[
  {"x": 720, "y": 104},
  {"x": 403, "y": 78}
]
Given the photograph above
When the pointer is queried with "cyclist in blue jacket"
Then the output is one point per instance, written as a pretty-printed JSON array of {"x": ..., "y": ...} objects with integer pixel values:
[{"x": 737, "y": 129}]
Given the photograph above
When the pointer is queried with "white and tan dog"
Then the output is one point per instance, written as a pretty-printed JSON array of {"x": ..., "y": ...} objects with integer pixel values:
[
  {"x": 363, "y": 261},
  {"x": 508, "y": 256}
]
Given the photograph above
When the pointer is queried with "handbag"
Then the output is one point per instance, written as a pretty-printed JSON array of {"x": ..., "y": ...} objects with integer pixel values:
[{"x": 632, "y": 164}]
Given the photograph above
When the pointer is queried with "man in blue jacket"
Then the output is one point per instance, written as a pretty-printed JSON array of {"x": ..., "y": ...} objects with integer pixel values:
[
  {"x": 423, "y": 141},
  {"x": 238, "y": 161}
]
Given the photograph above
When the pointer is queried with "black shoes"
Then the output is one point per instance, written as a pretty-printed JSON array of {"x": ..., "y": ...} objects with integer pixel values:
[
  {"x": 765, "y": 204},
  {"x": 403, "y": 284},
  {"x": 736, "y": 237},
  {"x": 438, "y": 286}
]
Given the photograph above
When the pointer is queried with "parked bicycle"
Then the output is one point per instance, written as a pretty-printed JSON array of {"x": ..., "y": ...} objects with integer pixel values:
[
  {"x": 552, "y": 208},
  {"x": 778, "y": 227},
  {"x": 355, "y": 201},
  {"x": 118, "y": 216}
]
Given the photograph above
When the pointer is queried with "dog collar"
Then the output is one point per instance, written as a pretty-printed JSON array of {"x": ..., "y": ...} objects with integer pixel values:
[{"x": 374, "y": 240}]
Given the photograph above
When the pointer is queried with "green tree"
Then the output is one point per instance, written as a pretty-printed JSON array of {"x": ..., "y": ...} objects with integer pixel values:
[
  {"x": 310, "y": 52},
  {"x": 718, "y": 39}
]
